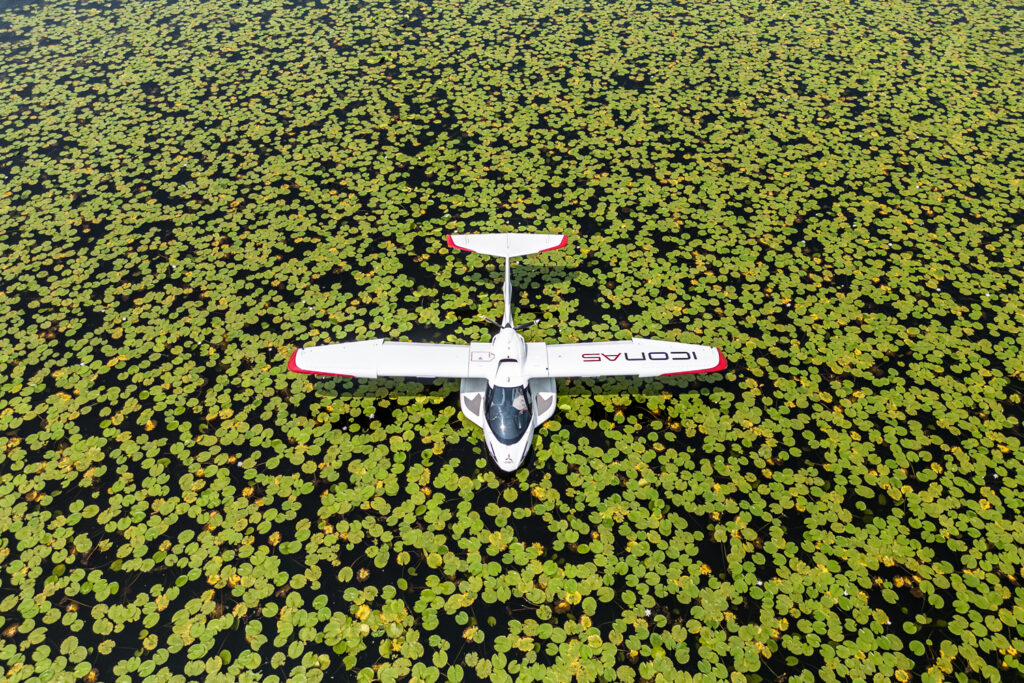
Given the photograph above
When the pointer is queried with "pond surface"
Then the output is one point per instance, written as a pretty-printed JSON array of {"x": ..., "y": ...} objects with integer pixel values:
[{"x": 830, "y": 192}]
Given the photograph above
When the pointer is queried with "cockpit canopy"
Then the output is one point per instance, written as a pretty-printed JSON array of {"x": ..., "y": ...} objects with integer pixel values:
[{"x": 508, "y": 413}]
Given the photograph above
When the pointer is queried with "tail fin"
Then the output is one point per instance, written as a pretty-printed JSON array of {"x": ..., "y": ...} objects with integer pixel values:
[{"x": 508, "y": 245}]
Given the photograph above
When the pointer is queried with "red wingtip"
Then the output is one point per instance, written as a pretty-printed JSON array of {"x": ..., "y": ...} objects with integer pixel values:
[
  {"x": 451, "y": 243},
  {"x": 722, "y": 365},
  {"x": 295, "y": 368},
  {"x": 565, "y": 241}
]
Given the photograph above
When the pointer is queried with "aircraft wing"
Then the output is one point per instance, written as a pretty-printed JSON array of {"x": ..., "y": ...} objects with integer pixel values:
[
  {"x": 379, "y": 358},
  {"x": 635, "y": 358}
]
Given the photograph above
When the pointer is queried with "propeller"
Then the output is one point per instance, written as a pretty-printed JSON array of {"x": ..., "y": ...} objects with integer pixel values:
[
  {"x": 523, "y": 326},
  {"x": 492, "y": 321}
]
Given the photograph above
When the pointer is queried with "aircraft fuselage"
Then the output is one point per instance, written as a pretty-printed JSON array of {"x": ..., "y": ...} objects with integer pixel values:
[{"x": 508, "y": 405}]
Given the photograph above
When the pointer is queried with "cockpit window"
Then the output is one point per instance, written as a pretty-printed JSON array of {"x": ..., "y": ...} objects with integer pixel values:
[{"x": 508, "y": 413}]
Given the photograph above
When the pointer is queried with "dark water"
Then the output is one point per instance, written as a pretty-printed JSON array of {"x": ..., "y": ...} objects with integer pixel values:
[{"x": 764, "y": 109}]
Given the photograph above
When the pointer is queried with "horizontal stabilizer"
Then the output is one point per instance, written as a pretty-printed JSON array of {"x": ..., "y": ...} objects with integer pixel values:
[{"x": 508, "y": 244}]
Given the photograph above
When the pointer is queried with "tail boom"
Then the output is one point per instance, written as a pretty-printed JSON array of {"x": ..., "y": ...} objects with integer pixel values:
[{"x": 506, "y": 291}]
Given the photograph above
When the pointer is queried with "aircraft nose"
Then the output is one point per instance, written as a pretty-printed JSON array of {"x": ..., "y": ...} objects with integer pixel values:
[
  {"x": 504, "y": 466},
  {"x": 508, "y": 458}
]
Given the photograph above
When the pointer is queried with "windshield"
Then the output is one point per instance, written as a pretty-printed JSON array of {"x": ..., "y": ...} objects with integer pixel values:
[{"x": 508, "y": 413}]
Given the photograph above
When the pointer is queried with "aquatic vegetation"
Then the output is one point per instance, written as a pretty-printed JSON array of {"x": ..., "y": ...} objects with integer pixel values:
[{"x": 828, "y": 192}]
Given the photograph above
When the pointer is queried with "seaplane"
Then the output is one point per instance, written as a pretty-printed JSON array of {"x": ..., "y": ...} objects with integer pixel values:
[{"x": 508, "y": 385}]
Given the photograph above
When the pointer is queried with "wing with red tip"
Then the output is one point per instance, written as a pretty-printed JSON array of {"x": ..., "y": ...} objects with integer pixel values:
[
  {"x": 380, "y": 358},
  {"x": 635, "y": 358}
]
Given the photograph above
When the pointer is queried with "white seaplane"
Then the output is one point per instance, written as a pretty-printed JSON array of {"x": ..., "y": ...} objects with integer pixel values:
[{"x": 508, "y": 385}]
